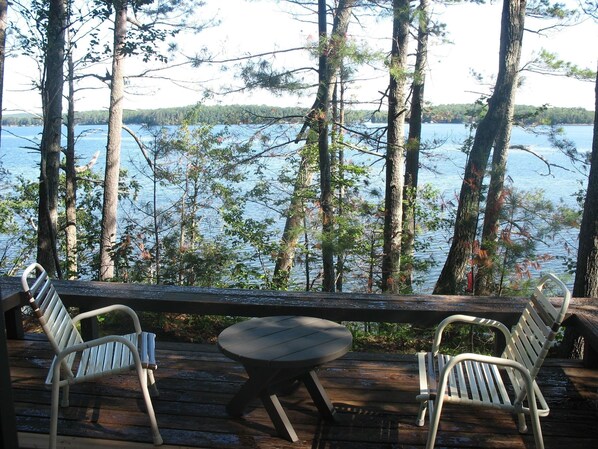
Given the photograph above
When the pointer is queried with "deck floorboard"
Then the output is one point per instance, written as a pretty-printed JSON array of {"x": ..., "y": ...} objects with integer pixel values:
[{"x": 374, "y": 395}]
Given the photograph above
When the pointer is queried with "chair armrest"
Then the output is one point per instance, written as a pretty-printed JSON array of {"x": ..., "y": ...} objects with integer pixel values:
[
  {"x": 468, "y": 320},
  {"x": 109, "y": 309}
]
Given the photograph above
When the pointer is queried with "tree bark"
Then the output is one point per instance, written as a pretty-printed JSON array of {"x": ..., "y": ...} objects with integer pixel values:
[
  {"x": 324, "y": 93},
  {"x": 414, "y": 145},
  {"x": 3, "y": 24},
  {"x": 586, "y": 272},
  {"x": 338, "y": 113},
  {"x": 71, "y": 179},
  {"x": 395, "y": 152},
  {"x": 293, "y": 225},
  {"x": 460, "y": 253},
  {"x": 112, "y": 173},
  {"x": 52, "y": 87},
  {"x": 484, "y": 284}
]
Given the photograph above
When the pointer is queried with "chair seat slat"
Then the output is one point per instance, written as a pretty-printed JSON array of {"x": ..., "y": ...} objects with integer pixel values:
[
  {"x": 108, "y": 358},
  {"x": 463, "y": 375},
  {"x": 95, "y": 364},
  {"x": 520, "y": 352},
  {"x": 151, "y": 349},
  {"x": 43, "y": 294},
  {"x": 505, "y": 398},
  {"x": 62, "y": 329},
  {"x": 118, "y": 355},
  {"x": 473, "y": 381},
  {"x": 423, "y": 373},
  {"x": 533, "y": 337},
  {"x": 53, "y": 309},
  {"x": 543, "y": 326},
  {"x": 544, "y": 308},
  {"x": 482, "y": 381},
  {"x": 491, "y": 383}
]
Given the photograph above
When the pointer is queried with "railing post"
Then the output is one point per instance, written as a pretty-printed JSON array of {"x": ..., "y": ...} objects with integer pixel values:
[
  {"x": 14, "y": 324},
  {"x": 8, "y": 423},
  {"x": 500, "y": 343},
  {"x": 590, "y": 356},
  {"x": 90, "y": 328}
]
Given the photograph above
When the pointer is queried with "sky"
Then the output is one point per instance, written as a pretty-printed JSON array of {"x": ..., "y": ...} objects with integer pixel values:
[{"x": 264, "y": 25}]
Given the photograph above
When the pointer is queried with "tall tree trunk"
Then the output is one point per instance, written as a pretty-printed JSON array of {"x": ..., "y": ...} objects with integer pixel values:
[
  {"x": 326, "y": 194},
  {"x": 453, "y": 272},
  {"x": 414, "y": 144},
  {"x": 317, "y": 122},
  {"x": 47, "y": 251},
  {"x": 586, "y": 273},
  {"x": 338, "y": 103},
  {"x": 395, "y": 153},
  {"x": 156, "y": 223},
  {"x": 71, "y": 178},
  {"x": 115, "y": 113},
  {"x": 484, "y": 279},
  {"x": 3, "y": 23}
]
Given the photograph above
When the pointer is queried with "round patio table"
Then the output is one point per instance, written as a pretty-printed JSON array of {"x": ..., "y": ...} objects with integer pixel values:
[{"x": 277, "y": 351}]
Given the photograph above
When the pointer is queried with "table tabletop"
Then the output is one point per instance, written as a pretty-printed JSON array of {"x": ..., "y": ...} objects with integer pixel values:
[{"x": 285, "y": 341}]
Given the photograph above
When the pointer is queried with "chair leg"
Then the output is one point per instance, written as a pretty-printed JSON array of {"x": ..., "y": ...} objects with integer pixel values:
[
  {"x": 533, "y": 413},
  {"x": 64, "y": 402},
  {"x": 54, "y": 413},
  {"x": 521, "y": 423},
  {"x": 151, "y": 383},
  {"x": 148, "y": 405},
  {"x": 537, "y": 429},
  {"x": 434, "y": 422},
  {"x": 421, "y": 416}
]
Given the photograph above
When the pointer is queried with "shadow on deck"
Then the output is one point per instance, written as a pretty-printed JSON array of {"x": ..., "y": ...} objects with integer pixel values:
[{"x": 374, "y": 395}]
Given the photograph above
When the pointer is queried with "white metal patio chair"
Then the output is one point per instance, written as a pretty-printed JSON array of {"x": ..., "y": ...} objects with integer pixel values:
[
  {"x": 478, "y": 380},
  {"x": 77, "y": 361}
]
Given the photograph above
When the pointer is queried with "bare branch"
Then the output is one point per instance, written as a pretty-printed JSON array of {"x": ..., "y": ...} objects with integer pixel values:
[
  {"x": 141, "y": 146},
  {"x": 89, "y": 165}
]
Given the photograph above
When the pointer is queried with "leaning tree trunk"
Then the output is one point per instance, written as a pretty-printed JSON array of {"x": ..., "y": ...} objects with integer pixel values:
[
  {"x": 453, "y": 272},
  {"x": 393, "y": 204},
  {"x": 484, "y": 284},
  {"x": 47, "y": 251},
  {"x": 293, "y": 224},
  {"x": 115, "y": 113},
  {"x": 414, "y": 145}
]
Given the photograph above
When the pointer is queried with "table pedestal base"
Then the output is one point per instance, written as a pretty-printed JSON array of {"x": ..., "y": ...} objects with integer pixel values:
[{"x": 265, "y": 383}]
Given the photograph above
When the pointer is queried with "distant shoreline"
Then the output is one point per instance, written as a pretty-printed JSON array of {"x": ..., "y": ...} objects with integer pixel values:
[{"x": 263, "y": 114}]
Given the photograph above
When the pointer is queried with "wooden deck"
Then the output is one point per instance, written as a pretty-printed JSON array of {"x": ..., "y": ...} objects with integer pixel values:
[{"x": 373, "y": 393}]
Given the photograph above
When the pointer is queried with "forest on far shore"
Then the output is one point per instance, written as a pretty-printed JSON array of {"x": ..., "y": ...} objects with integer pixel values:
[{"x": 260, "y": 114}]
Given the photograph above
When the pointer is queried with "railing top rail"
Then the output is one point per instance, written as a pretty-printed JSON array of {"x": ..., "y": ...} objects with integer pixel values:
[{"x": 419, "y": 309}]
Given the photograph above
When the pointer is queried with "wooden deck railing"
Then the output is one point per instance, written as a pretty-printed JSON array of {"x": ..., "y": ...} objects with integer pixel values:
[{"x": 422, "y": 310}]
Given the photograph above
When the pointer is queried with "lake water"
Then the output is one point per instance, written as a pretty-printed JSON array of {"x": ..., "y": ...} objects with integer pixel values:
[{"x": 526, "y": 171}]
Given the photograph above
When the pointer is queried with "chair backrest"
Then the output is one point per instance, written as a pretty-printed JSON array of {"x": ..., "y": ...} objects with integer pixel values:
[
  {"x": 51, "y": 313},
  {"x": 535, "y": 332}
]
